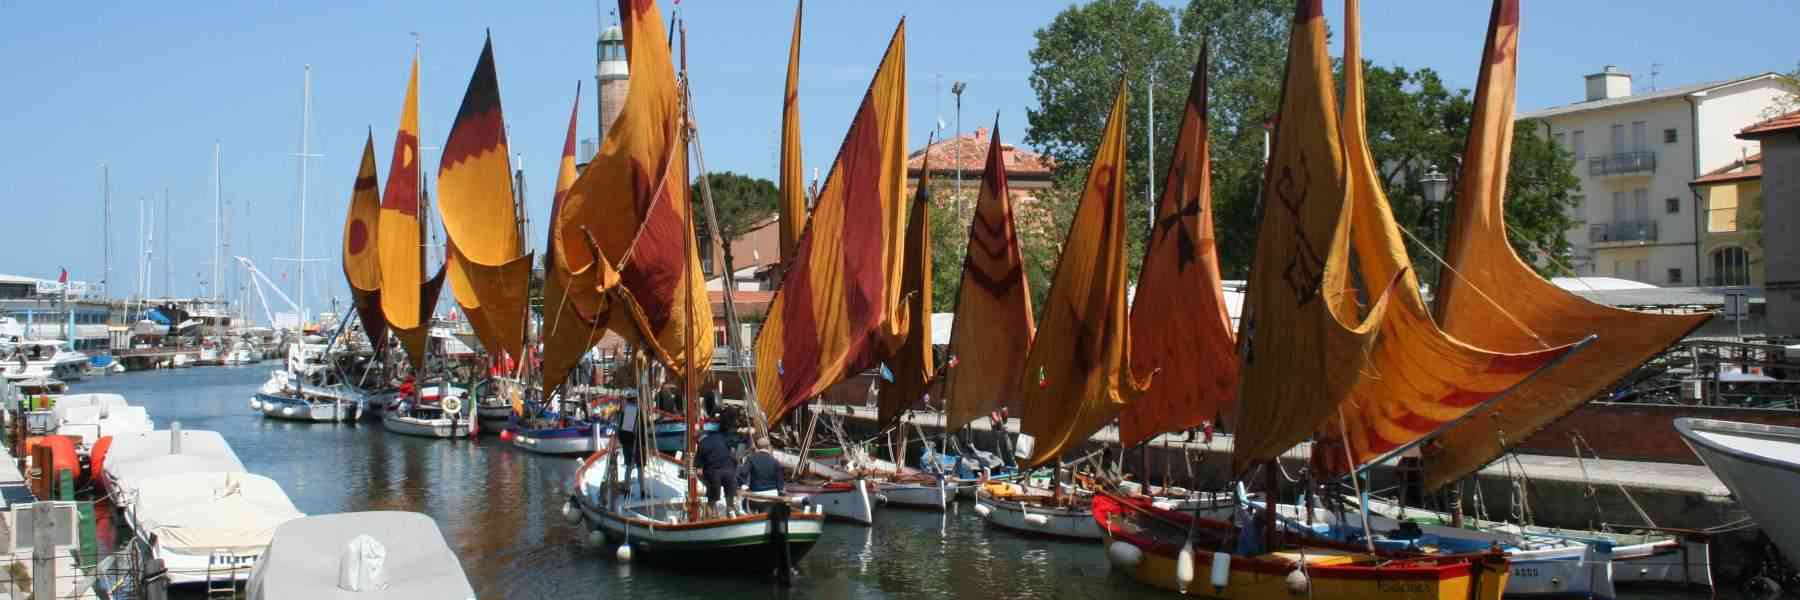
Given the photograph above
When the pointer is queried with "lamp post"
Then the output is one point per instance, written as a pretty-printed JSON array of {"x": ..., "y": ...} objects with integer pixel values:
[
  {"x": 1435, "y": 187},
  {"x": 956, "y": 89}
]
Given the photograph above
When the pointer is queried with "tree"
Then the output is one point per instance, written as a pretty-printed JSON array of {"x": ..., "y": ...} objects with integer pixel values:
[
  {"x": 1540, "y": 200},
  {"x": 742, "y": 203}
]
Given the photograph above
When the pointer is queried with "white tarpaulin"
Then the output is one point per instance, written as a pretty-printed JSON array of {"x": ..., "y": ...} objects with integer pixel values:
[
  {"x": 306, "y": 558},
  {"x": 138, "y": 445},
  {"x": 199, "y": 513},
  {"x": 104, "y": 402}
]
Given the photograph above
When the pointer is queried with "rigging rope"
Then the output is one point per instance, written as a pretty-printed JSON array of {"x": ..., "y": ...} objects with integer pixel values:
[{"x": 1509, "y": 316}]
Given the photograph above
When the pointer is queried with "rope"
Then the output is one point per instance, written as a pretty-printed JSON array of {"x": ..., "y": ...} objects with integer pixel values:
[
  {"x": 1509, "y": 316},
  {"x": 1579, "y": 440}
]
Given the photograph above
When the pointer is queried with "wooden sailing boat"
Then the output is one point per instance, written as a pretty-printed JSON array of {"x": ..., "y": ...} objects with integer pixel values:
[
  {"x": 1301, "y": 318},
  {"x": 408, "y": 298},
  {"x": 658, "y": 509},
  {"x": 1077, "y": 374}
]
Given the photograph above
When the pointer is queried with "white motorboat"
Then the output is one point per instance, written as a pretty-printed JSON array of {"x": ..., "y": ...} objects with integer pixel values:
[
  {"x": 1033, "y": 511},
  {"x": 377, "y": 555},
  {"x": 286, "y": 395},
  {"x": 208, "y": 527},
  {"x": 841, "y": 494},
  {"x": 90, "y": 417},
  {"x": 32, "y": 359},
  {"x": 1761, "y": 466}
]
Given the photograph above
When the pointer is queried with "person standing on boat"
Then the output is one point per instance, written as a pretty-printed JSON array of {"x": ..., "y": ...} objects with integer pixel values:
[
  {"x": 762, "y": 473},
  {"x": 718, "y": 465},
  {"x": 628, "y": 427}
]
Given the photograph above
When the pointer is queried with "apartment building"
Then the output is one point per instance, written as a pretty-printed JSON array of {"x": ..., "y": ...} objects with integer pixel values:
[{"x": 1635, "y": 155}]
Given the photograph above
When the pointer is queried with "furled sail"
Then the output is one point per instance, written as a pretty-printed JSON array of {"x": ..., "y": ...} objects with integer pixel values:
[
  {"x": 1303, "y": 344},
  {"x": 362, "y": 268},
  {"x": 793, "y": 177},
  {"x": 839, "y": 307},
  {"x": 1178, "y": 316},
  {"x": 1078, "y": 373},
  {"x": 911, "y": 364},
  {"x": 489, "y": 267},
  {"x": 1538, "y": 314},
  {"x": 993, "y": 327},
  {"x": 408, "y": 298},
  {"x": 622, "y": 232},
  {"x": 1424, "y": 379}
]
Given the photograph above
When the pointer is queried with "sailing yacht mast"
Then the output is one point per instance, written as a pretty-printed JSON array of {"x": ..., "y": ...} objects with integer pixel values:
[
  {"x": 105, "y": 226},
  {"x": 305, "y": 152},
  {"x": 218, "y": 223}
]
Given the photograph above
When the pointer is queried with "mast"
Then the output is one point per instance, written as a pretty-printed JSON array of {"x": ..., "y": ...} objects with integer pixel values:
[
  {"x": 687, "y": 315},
  {"x": 305, "y": 152},
  {"x": 218, "y": 223},
  {"x": 105, "y": 226},
  {"x": 168, "y": 290}
]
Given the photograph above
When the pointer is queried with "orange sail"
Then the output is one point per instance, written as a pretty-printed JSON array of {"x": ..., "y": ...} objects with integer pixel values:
[
  {"x": 839, "y": 307},
  {"x": 566, "y": 335},
  {"x": 407, "y": 297},
  {"x": 1537, "y": 313},
  {"x": 621, "y": 234},
  {"x": 489, "y": 267},
  {"x": 1303, "y": 344},
  {"x": 1427, "y": 379},
  {"x": 1078, "y": 373},
  {"x": 1178, "y": 318},
  {"x": 361, "y": 267},
  {"x": 793, "y": 178},
  {"x": 911, "y": 364},
  {"x": 993, "y": 327}
]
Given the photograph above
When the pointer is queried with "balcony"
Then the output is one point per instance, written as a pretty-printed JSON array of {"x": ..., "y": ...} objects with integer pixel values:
[
  {"x": 1642, "y": 162},
  {"x": 1623, "y": 231}
]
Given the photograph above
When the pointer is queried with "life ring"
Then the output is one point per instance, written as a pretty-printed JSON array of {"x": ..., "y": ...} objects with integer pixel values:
[{"x": 453, "y": 404}]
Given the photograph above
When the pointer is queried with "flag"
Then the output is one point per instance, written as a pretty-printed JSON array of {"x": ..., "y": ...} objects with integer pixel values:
[
  {"x": 362, "y": 269},
  {"x": 1082, "y": 353},
  {"x": 839, "y": 306}
]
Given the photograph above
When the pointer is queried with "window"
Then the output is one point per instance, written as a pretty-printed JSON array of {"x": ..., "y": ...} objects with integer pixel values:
[
  {"x": 1580, "y": 143},
  {"x": 1672, "y": 205},
  {"x": 1621, "y": 208},
  {"x": 1618, "y": 138},
  {"x": 1730, "y": 266},
  {"x": 1638, "y": 143},
  {"x": 1669, "y": 136},
  {"x": 1640, "y": 204},
  {"x": 1674, "y": 276}
]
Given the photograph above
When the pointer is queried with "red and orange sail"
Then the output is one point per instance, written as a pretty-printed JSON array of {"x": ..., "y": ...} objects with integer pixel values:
[
  {"x": 793, "y": 177},
  {"x": 361, "y": 267},
  {"x": 1303, "y": 344},
  {"x": 489, "y": 267},
  {"x": 1179, "y": 321},
  {"x": 407, "y": 297},
  {"x": 911, "y": 364},
  {"x": 621, "y": 235},
  {"x": 993, "y": 327},
  {"x": 566, "y": 335},
  {"x": 1426, "y": 379},
  {"x": 1537, "y": 314},
  {"x": 839, "y": 308},
  {"x": 1078, "y": 374}
]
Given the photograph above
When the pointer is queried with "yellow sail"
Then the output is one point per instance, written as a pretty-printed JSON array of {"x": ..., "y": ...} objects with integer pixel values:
[
  {"x": 793, "y": 179},
  {"x": 911, "y": 364},
  {"x": 488, "y": 265},
  {"x": 993, "y": 327},
  {"x": 362, "y": 269},
  {"x": 1303, "y": 344},
  {"x": 1537, "y": 314},
  {"x": 562, "y": 329},
  {"x": 1178, "y": 318},
  {"x": 619, "y": 237},
  {"x": 1423, "y": 379},
  {"x": 839, "y": 308},
  {"x": 408, "y": 298},
  {"x": 1078, "y": 373}
]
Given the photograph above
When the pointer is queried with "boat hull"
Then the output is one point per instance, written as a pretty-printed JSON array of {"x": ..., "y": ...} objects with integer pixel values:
[
  {"x": 494, "y": 418},
  {"x": 739, "y": 543},
  {"x": 562, "y": 440},
  {"x": 1761, "y": 466},
  {"x": 1069, "y": 522},
  {"x": 849, "y": 501},
  {"x": 430, "y": 428},
  {"x": 925, "y": 496},
  {"x": 293, "y": 409}
]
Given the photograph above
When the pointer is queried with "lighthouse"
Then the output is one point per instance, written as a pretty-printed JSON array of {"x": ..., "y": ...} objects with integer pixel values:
[{"x": 612, "y": 75}]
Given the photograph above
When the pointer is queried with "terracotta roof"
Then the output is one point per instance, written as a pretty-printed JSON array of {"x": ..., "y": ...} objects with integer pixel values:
[
  {"x": 974, "y": 150},
  {"x": 1782, "y": 123},
  {"x": 746, "y": 301},
  {"x": 1749, "y": 167}
]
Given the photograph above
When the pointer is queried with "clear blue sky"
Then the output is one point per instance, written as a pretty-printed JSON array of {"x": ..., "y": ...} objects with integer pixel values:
[{"x": 147, "y": 87}]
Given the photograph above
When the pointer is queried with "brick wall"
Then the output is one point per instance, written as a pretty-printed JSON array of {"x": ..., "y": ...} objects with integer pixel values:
[{"x": 1641, "y": 431}]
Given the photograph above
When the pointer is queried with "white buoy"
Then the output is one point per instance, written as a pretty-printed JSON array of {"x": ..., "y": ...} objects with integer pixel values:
[
  {"x": 1124, "y": 555},
  {"x": 623, "y": 553},
  {"x": 1221, "y": 567},
  {"x": 255, "y": 404},
  {"x": 289, "y": 411},
  {"x": 1298, "y": 582},
  {"x": 1037, "y": 519},
  {"x": 983, "y": 510},
  {"x": 570, "y": 513}
]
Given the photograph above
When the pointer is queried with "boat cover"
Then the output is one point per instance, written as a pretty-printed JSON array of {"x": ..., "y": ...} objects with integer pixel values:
[
  {"x": 198, "y": 512},
  {"x": 136, "y": 445},
  {"x": 134, "y": 475},
  {"x": 306, "y": 555},
  {"x": 104, "y": 402}
]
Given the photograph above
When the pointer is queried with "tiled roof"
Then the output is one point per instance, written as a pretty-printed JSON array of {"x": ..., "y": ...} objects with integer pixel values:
[
  {"x": 973, "y": 157},
  {"x": 1749, "y": 167},
  {"x": 746, "y": 301},
  {"x": 1781, "y": 123},
  {"x": 1663, "y": 94}
]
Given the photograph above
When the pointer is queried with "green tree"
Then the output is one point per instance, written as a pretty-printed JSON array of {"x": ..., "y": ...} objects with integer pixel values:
[
  {"x": 742, "y": 203},
  {"x": 1540, "y": 199}
]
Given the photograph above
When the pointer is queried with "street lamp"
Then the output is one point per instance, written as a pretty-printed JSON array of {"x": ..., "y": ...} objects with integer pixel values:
[
  {"x": 1436, "y": 188},
  {"x": 956, "y": 89}
]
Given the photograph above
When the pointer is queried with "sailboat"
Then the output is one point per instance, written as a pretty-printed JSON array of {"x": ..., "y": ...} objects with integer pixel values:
[
  {"x": 408, "y": 298},
  {"x": 1301, "y": 317},
  {"x": 657, "y": 299}
]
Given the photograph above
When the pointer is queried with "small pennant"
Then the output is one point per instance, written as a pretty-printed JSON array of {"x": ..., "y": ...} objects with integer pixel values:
[
  {"x": 1043, "y": 379},
  {"x": 886, "y": 374}
]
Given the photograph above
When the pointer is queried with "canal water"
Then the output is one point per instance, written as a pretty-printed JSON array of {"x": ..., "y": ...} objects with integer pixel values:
[{"x": 499, "y": 508}]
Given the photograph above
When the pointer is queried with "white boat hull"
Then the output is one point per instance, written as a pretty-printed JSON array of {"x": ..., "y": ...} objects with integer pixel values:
[
  {"x": 844, "y": 501},
  {"x": 1761, "y": 466},
  {"x": 1074, "y": 522},
  {"x": 431, "y": 428},
  {"x": 581, "y": 445},
  {"x": 925, "y": 496}
]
